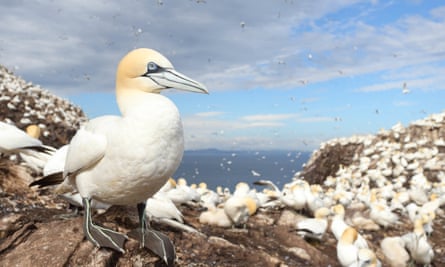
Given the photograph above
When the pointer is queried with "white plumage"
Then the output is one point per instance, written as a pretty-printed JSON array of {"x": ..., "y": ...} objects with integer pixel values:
[{"x": 126, "y": 159}]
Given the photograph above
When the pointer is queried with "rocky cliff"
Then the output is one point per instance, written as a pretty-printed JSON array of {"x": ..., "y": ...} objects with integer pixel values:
[{"x": 23, "y": 104}]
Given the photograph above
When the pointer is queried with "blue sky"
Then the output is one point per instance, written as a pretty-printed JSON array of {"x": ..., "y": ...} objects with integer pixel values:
[{"x": 281, "y": 74}]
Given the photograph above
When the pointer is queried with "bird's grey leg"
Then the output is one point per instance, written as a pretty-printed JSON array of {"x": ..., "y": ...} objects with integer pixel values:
[
  {"x": 155, "y": 241},
  {"x": 100, "y": 236},
  {"x": 142, "y": 221}
]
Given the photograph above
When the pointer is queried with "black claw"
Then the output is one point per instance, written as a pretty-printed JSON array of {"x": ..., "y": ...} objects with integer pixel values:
[{"x": 100, "y": 236}]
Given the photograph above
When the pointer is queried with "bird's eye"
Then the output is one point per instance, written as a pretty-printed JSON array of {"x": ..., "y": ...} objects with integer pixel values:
[{"x": 152, "y": 67}]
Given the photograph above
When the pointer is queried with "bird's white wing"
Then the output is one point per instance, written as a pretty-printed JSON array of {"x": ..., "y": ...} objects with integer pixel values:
[
  {"x": 56, "y": 163},
  {"x": 85, "y": 149},
  {"x": 12, "y": 138}
]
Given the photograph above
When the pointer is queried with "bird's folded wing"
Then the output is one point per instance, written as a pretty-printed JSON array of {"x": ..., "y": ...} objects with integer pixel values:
[
  {"x": 85, "y": 150},
  {"x": 13, "y": 138}
]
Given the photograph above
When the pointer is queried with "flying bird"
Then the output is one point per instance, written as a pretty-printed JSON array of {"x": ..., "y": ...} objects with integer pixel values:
[
  {"x": 405, "y": 89},
  {"x": 126, "y": 159}
]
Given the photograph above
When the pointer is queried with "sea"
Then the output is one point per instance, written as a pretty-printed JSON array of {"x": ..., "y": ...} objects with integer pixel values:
[{"x": 227, "y": 168}]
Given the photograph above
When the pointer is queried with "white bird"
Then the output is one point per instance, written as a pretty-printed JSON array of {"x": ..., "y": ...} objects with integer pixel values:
[
  {"x": 14, "y": 140},
  {"x": 270, "y": 196},
  {"x": 269, "y": 184},
  {"x": 126, "y": 159},
  {"x": 382, "y": 215},
  {"x": 215, "y": 216},
  {"x": 314, "y": 228},
  {"x": 294, "y": 194},
  {"x": 417, "y": 244},
  {"x": 347, "y": 251},
  {"x": 53, "y": 169},
  {"x": 338, "y": 226},
  {"x": 182, "y": 193},
  {"x": 367, "y": 258},
  {"x": 160, "y": 208},
  {"x": 240, "y": 208},
  {"x": 255, "y": 173},
  {"x": 32, "y": 151},
  {"x": 405, "y": 89},
  {"x": 56, "y": 162},
  {"x": 210, "y": 198},
  {"x": 394, "y": 250}
]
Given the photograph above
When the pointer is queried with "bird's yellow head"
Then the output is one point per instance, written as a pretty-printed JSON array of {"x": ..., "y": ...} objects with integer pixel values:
[
  {"x": 147, "y": 70},
  {"x": 33, "y": 131},
  {"x": 349, "y": 235}
]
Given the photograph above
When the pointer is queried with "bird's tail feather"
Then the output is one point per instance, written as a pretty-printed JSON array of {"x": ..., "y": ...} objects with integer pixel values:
[{"x": 52, "y": 179}]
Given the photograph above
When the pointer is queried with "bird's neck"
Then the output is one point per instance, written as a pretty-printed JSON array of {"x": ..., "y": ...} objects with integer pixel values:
[{"x": 131, "y": 102}]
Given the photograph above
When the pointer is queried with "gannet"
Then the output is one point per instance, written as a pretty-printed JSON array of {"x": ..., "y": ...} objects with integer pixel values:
[
  {"x": 125, "y": 159},
  {"x": 338, "y": 226},
  {"x": 382, "y": 215},
  {"x": 215, "y": 216},
  {"x": 347, "y": 251},
  {"x": 240, "y": 208},
  {"x": 394, "y": 250},
  {"x": 53, "y": 169},
  {"x": 417, "y": 244},
  {"x": 26, "y": 144},
  {"x": 182, "y": 193},
  {"x": 14, "y": 140},
  {"x": 270, "y": 196},
  {"x": 210, "y": 198},
  {"x": 314, "y": 197},
  {"x": 367, "y": 258},
  {"x": 161, "y": 209},
  {"x": 314, "y": 228},
  {"x": 293, "y": 194}
]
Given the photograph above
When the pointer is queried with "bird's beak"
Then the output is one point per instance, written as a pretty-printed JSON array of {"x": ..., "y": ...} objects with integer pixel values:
[{"x": 169, "y": 78}]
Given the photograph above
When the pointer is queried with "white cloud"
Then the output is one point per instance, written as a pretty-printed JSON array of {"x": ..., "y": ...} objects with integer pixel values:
[
  {"x": 72, "y": 47},
  {"x": 53, "y": 43}
]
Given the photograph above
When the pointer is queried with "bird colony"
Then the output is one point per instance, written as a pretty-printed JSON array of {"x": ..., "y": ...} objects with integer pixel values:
[
  {"x": 22, "y": 104},
  {"x": 377, "y": 206}
]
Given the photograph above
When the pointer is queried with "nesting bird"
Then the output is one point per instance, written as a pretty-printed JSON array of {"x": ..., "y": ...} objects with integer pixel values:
[
  {"x": 417, "y": 243},
  {"x": 314, "y": 228},
  {"x": 382, "y": 215},
  {"x": 14, "y": 140},
  {"x": 182, "y": 193},
  {"x": 26, "y": 144},
  {"x": 394, "y": 250},
  {"x": 347, "y": 251},
  {"x": 339, "y": 226},
  {"x": 161, "y": 209},
  {"x": 215, "y": 216},
  {"x": 239, "y": 209},
  {"x": 126, "y": 159},
  {"x": 367, "y": 258}
]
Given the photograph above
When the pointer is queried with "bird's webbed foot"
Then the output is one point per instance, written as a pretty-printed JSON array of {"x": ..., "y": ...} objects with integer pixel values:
[{"x": 100, "y": 236}]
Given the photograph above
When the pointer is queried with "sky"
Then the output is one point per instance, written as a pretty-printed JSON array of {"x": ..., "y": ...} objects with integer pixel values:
[{"x": 281, "y": 74}]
